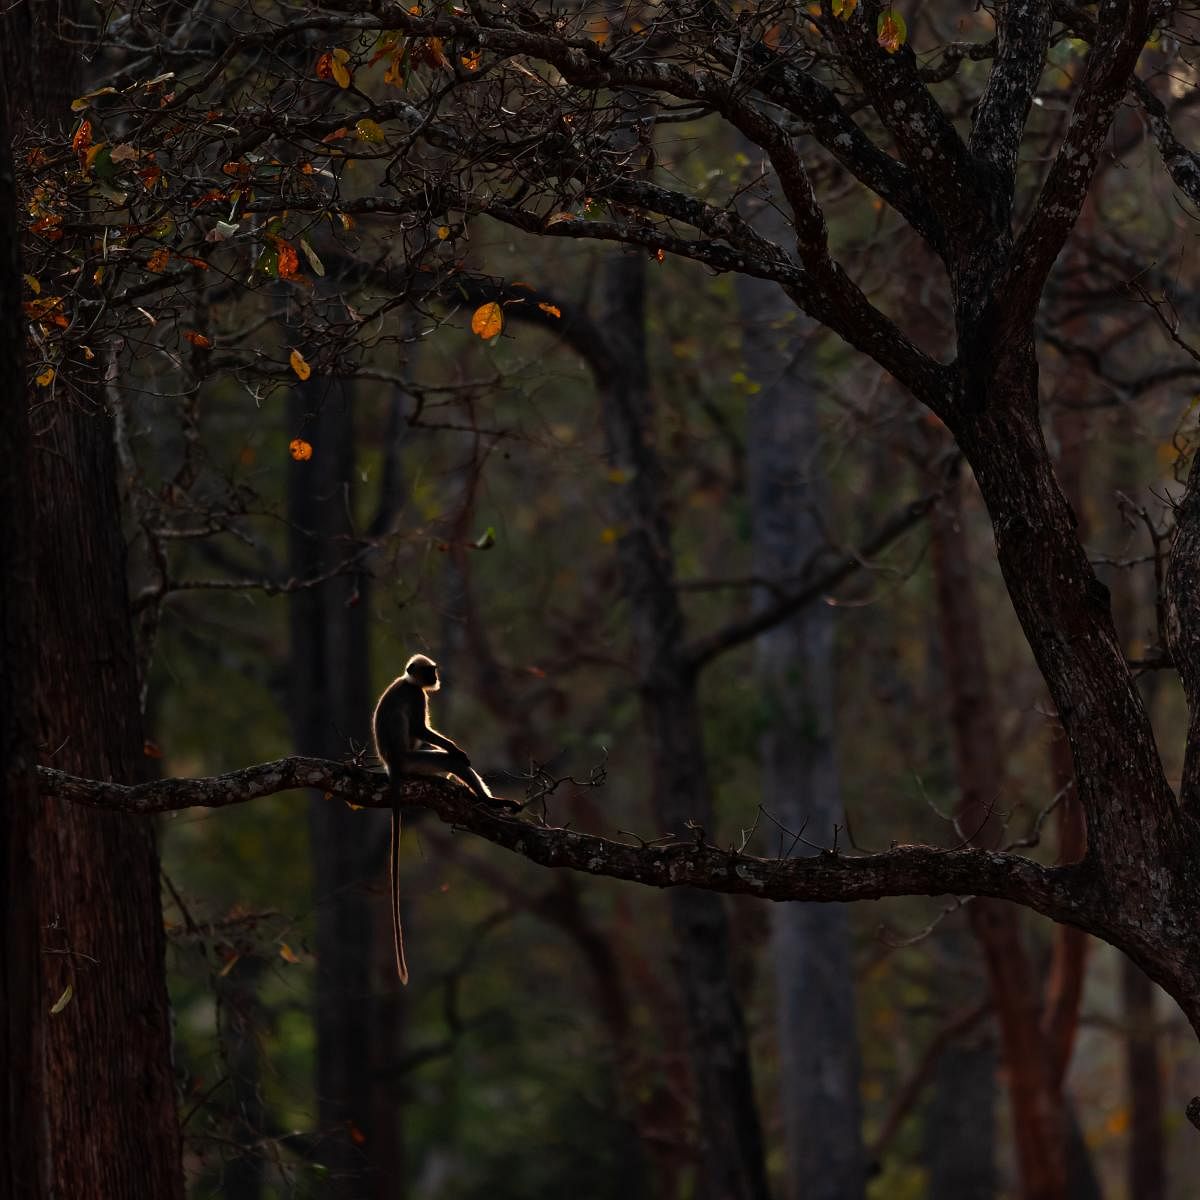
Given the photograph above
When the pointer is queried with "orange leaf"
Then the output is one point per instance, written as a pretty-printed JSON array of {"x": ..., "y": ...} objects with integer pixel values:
[
  {"x": 157, "y": 261},
  {"x": 300, "y": 450},
  {"x": 487, "y": 321},
  {"x": 472, "y": 60},
  {"x": 289, "y": 260},
  {"x": 552, "y": 309},
  {"x": 198, "y": 339},
  {"x": 151, "y": 749},
  {"x": 299, "y": 365},
  {"x": 83, "y": 136},
  {"x": 287, "y": 953},
  {"x": 46, "y": 378}
]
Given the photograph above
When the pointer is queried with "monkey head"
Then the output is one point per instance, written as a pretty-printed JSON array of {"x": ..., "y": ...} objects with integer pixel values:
[{"x": 422, "y": 671}]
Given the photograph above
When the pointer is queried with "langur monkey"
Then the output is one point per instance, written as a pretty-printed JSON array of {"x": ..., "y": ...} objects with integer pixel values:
[{"x": 401, "y": 729}]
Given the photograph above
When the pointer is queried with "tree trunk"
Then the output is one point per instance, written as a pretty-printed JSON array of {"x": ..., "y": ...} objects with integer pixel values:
[
  {"x": 21, "y": 1008},
  {"x": 330, "y": 706},
  {"x": 814, "y": 986},
  {"x": 732, "y": 1165},
  {"x": 89, "y": 880},
  {"x": 1038, "y": 1125}
]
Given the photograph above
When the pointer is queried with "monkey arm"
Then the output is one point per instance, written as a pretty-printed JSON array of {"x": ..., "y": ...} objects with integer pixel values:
[{"x": 430, "y": 735}]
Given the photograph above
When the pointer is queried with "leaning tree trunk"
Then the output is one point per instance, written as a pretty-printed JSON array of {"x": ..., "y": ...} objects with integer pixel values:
[
  {"x": 329, "y": 701},
  {"x": 106, "y": 1120},
  {"x": 732, "y": 1163},
  {"x": 814, "y": 985}
]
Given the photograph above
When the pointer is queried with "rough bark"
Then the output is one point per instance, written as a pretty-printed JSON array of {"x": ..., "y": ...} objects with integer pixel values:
[
  {"x": 732, "y": 1162},
  {"x": 794, "y": 667},
  {"x": 329, "y": 703},
  {"x": 89, "y": 880},
  {"x": 20, "y": 1025}
]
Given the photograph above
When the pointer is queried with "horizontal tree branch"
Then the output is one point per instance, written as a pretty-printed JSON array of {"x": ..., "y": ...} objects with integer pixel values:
[{"x": 1061, "y": 893}]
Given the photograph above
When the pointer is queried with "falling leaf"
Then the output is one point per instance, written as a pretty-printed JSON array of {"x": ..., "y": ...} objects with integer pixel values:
[
  {"x": 550, "y": 309},
  {"x": 63, "y": 1000},
  {"x": 46, "y": 378},
  {"x": 892, "y": 30},
  {"x": 558, "y": 218},
  {"x": 443, "y": 232},
  {"x": 609, "y": 536},
  {"x": 487, "y": 321},
  {"x": 299, "y": 449},
  {"x": 198, "y": 339},
  {"x": 157, "y": 262},
  {"x": 228, "y": 966},
  {"x": 151, "y": 749},
  {"x": 356, "y": 1135},
  {"x": 302, "y": 369},
  {"x": 487, "y": 539},
  {"x": 472, "y": 60},
  {"x": 369, "y": 131},
  {"x": 844, "y": 8},
  {"x": 287, "y": 953},
  {"x": 32, "y": 284},
  {"x": 660, "y": 255},
  {"x": 617, "y": 475}
]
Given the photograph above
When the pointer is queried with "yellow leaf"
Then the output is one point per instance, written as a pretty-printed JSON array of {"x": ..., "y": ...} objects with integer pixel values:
[
  {"x": 46, "y": 378},
  {"x": 550, "y": 309},
  {"x": 844, "y": 8},
  {"x": 300, "y": 450},
  {"x": 443, "y": 232},
  {"x": 617, "y": 475},
  {"x": 288, "y": 954},
  {"x": 368, "y": 130},
  {"x": 609, "y": 536},
  {"x": 488, "y": 321},
  {"x": 33, "y": 285},
  {"x": 302, "y": 369},
  {"x": 339, "y": 73},
  {"x": 63, "y": 1000},
  {"x": 892, "y": 30}
]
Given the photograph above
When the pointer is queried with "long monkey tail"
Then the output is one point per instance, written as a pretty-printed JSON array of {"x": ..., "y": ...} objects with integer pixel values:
[{"x": 394, "y": 881}]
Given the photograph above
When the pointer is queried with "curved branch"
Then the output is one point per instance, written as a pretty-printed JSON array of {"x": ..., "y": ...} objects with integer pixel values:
[{"x": 1061, "y": 893}]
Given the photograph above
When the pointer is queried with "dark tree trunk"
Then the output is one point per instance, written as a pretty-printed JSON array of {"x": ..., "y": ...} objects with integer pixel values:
[
  {"x": 816, "y": 1029},
  {"x": 1038, "y": 1125},
  {"x": 90, "y": 880},
  {"x": 330, "y": 705},
  {"x": 731, "y": 1163},
  {"x": 20, "y": 957}
]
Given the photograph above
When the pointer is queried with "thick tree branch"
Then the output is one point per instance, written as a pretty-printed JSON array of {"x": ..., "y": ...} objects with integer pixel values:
[
  {"x": 1023, "y": 32},
  {"x": 928, "y": 142},
  {"x": 1121, "y": 33},
  {"x": 1061, "y": 893}
]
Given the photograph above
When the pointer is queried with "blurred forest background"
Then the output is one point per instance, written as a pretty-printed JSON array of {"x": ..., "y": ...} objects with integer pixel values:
[{"x": 837, "y": 665}]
